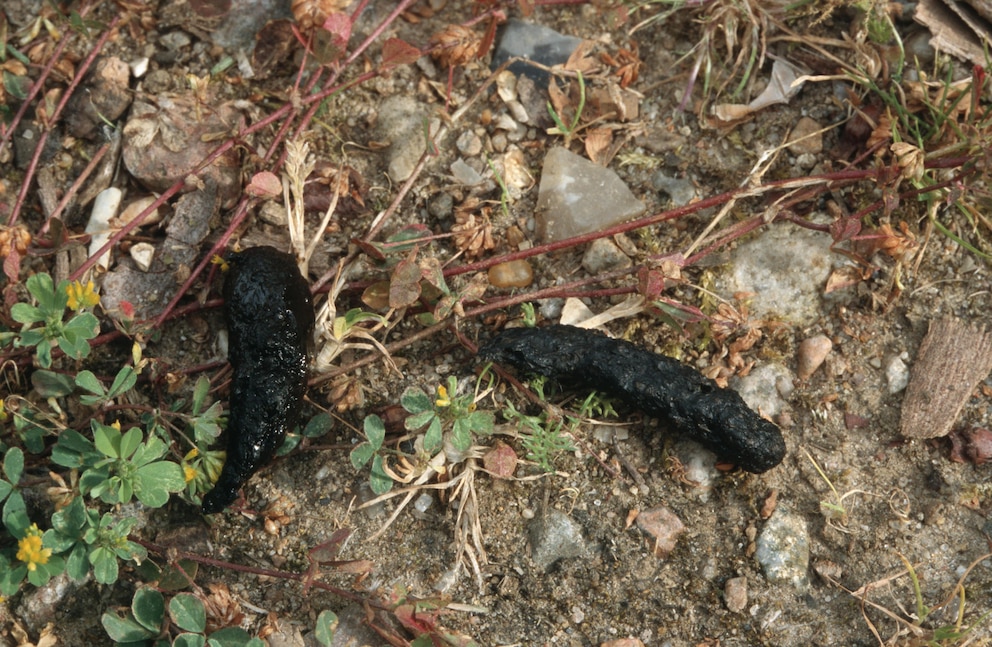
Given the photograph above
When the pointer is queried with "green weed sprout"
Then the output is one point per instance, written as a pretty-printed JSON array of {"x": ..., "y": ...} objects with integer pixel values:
[
  {"x": 118, "y": 465},
  {"x": 371, "y": 449},
  {"x": 43, "y": 325},
  {"x": 146, "y": 622},
  {"x": 30, "y": 558},
  {"x": 546, "y": 436},
  {"x": 560, "y": 128},
  {"x": 449, "y": 412},
  {"x": 543, "y": 438}
]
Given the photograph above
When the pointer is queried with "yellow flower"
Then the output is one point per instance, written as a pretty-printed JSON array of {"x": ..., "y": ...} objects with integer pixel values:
[
  {"x": 30, "y": 551},
  {"x": 219, "y": 260},
  {"x": 442, "y": 397},
  {"x": 3, "y": 411},
  {"x": 82, "y": 296},
  {"x": 189, "y": 473}
]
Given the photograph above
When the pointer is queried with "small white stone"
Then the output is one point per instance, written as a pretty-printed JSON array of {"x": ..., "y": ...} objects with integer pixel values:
[
  {"x": 143, "y": 254},
  {"x": 896, "y": 374},
  {"x": 104, "y": 210},
  {"x": 506, "y": 86},
  {"x": 139, "y": 67}
]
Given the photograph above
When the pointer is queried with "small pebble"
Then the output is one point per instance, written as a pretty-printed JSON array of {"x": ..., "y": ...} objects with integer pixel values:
[
  {"x": 423, "y": 502},
  {"x": 135, "y": 207},
  {"x": 512, "y": 274},
  {"x": 806, "y": 138},
  {"x": 143, "y": 254},
  {"x": 554, "y": 536},
  {"x": 104, "y": 210},
  {"x": 896, "y": 374},
  {"x": 469, "y": 144},
  {"x": 783, "y": 549},
  {"x": 604, "y": 255},
  {"x": 812, "y": 353},
  {"x": 663, "y": 529},
  {"x": 465, "y": 174},
  {"x": 735, "y": 594}
]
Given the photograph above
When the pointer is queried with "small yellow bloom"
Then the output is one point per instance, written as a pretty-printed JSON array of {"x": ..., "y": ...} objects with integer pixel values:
[
  {"x": 189, "y": 473},
  {"x": 3, "y": 411},
  {"x": 442, "y": 397},
  {"x": 82, "y": 296},
  {"x": 30, "y": 551},
  {"x": 219, "y": 260}
]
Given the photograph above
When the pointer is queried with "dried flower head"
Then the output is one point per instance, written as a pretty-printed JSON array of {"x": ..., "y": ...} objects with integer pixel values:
[
  {"x": 472, "y": 229},
  {"x": 454, "y": 46},
  {"x": 14, "y": 238},
  {"x": 311, "y": 14}
]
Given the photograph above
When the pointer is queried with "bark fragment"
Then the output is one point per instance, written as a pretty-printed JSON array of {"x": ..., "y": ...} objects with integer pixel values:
[{"x": 953, "y": 358}]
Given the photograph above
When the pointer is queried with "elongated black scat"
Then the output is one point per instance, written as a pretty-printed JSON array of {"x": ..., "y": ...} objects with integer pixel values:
[
  {"x": 270, "y": 320},
  {"x": 660, "y": 386}
]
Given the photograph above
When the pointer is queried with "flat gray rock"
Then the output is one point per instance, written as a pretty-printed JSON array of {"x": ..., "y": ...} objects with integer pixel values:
[{"x": 577, "y": 197}]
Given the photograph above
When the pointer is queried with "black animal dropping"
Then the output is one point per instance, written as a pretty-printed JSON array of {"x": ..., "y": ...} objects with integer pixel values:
[
  {"x": 270, "y": 320},
  {"x": 660, "y": 386}
]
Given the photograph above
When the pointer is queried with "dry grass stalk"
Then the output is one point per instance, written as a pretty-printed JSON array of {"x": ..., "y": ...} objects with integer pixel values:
[{"x": 953, "y": 358}]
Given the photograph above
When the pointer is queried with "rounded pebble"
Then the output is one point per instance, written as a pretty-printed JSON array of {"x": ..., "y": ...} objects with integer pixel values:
[
  {"x": 735, "y": 594},
  {"x": 512, "y": 274},
  {"x": 812, "y": 353},
  {"x": 896, "y": 374},
  {"x": 783, "y": 549}
]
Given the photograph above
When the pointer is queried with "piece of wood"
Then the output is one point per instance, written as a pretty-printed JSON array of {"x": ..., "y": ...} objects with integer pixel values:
[{"x": 953, "y": 358}]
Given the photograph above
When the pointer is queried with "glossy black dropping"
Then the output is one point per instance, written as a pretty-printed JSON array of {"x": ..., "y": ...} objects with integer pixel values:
[
  {"x": 663, "y": 387},
  {"x": 270, "y": 320}
]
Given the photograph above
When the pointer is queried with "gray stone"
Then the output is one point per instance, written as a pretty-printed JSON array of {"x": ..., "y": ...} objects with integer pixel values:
[
  {"x": 40, "y": 606},
  {"x": 401, "y": 122},
  {"x": 469, "y": 144},
  {"x": 534, "y": 43},
  {"x": 604, "y": 255},
  {"x": 785, "y": 267},
  {"x": 464, "y": 173},
  {"x": 577, "y": 197},
  {"x": 783, "y": 549},
  {"x": 554, "y": 536},
  {"x": 680, "y": 190},
  {"x": 149, "y": 292},
  {"x": 760, "y": 388},
  {"x": 244, "y": 19}
]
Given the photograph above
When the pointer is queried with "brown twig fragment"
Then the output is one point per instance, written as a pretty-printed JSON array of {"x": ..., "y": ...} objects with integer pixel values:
[{"x": 953, "y": 358}]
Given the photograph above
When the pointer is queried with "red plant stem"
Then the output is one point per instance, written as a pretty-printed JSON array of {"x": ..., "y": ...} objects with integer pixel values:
[
  {"x": 174, "y": 556},
  {"x": 6, "y": 133},
  {"x": 387, "y": 21},
  {"x": 828, "y": 180},
  {"x": 80, "y": 74},
  {"x": 74, "y": 189},
  {"x": 313, "y": 101}
]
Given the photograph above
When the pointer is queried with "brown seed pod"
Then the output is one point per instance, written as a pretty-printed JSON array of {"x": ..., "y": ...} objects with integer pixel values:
[
  {"x": 310, "y": 14},
  {"x": 454, "y": 46}
]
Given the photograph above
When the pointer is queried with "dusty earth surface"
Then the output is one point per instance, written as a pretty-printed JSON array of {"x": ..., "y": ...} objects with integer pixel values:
[{"x": 886, "y": 496}]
